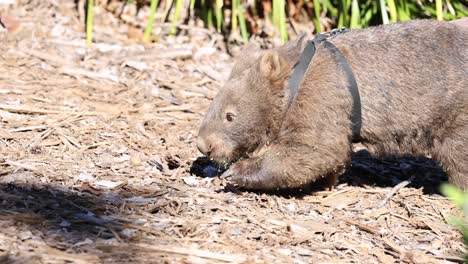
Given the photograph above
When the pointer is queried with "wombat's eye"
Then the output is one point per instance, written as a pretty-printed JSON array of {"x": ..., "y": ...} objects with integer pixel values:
[{"x": 229, "y": 117}]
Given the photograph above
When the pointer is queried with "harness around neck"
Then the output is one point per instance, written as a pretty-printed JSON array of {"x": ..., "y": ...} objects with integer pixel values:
[{"x": 302, "y": 65}]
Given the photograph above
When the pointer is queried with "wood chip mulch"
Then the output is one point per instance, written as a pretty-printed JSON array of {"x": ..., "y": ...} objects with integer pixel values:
[{"x": 98, "y": 162}]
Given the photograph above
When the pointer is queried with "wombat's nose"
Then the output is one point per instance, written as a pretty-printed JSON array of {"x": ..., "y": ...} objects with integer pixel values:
[{"x": 203, "y": 147}]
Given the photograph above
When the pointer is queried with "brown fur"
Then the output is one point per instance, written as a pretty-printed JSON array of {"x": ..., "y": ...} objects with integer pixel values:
[{"x": 413, "y": 82}]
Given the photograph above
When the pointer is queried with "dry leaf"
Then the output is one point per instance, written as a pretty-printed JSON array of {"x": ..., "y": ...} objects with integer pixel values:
[
  {"x": 86, "y": 187},
  {"x": 341, "y": 201},
  {"x": 108, "y": 184},
  {"x": 306, "y": 228},
  {"x": 383, "y": 258},
  {"x": 10, "y": 22}
]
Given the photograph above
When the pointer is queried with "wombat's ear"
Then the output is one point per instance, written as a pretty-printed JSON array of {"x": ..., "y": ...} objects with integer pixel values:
[{"x": 272, "y": 65}]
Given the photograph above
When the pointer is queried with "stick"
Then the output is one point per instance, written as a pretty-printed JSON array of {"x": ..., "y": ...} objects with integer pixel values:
[
  {"x": 188, "y": 252},
  {"x": 395, "y": 189},
  {"x": 364, "y": 227},
  {"x": 54, "y": 59},
  {"x": 23, "y": 109},
  {"x": 29, "y": 167},
  {"x": 90, "y": 74}
]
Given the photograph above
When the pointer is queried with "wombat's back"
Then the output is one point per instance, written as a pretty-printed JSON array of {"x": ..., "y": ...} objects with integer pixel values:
[
  {"x": 412, "y": 77},
  {"x": 413, "y": 52}
]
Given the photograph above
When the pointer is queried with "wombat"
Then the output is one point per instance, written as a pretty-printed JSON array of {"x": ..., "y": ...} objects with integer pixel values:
[{"x": 412, "y": 79}]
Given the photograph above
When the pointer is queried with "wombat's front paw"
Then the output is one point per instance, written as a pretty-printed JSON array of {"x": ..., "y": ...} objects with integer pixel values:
[{"x": 249, "y": 174}]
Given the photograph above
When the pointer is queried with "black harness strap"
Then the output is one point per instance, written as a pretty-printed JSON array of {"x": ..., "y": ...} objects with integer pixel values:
[{"x": 301, "y": 67}]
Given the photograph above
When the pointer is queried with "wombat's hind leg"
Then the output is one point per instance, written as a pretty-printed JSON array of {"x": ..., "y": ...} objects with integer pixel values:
[
  {"x": 330, "y": 181},
  {"x": 453, "y": 154}
]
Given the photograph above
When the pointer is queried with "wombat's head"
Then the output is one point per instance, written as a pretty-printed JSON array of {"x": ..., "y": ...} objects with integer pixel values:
[{"x": 248, "y": 111}]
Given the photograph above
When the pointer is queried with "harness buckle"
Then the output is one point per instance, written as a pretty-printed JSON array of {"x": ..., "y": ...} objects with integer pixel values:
[{"x": 334, "y": 32}]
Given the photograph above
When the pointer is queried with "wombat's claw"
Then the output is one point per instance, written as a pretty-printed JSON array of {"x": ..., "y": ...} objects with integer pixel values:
[
  {"x": 233, "y": 178},
  {"x": 231, "y": 185},
  {"x": 227, "y": 174},
  {"x": 232, "y": 188}
]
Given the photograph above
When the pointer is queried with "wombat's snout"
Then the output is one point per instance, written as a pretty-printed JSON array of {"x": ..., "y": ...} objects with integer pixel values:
[
  {"x": 212, "y": 146},
  {"x": 203, "y": 146}
]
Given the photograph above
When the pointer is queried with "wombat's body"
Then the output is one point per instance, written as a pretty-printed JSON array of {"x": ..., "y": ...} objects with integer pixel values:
[{"x": 413, "y": 83}]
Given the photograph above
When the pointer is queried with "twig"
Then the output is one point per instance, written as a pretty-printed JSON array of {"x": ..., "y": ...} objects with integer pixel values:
[
  {"x": 25, "y": 166},
  {"x": 174, "y": 108},
  {"x": 450, "y": 258},
  {"x": 170, "y": 53},
  {"x": 395, "y": 189},
  {"x": 142, "y": 228},
  {"x": 53, "y": 59},
  {"x": 29, "y": 128},
  {"x": 187, "y": 252},
  {"x": 392, "y": 246},
  {"x": 363, "y": 227},
  {"x": 7, "y": 135},
  {"x": 91, "y": 75},
  {"x": 40, "y": 137},
  {"x": 116, "y": 235},
  {"x": 23, "y": 109},
  {"x": 333, "y": 194}
]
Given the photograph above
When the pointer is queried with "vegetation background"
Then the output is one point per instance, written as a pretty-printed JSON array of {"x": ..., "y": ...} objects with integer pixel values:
[{"x": 278, "y": 18}]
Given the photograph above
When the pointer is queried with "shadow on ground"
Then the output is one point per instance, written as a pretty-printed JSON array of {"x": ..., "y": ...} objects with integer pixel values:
[
  {"x": 68, "y": 220},
  {"x": 43, "y": 205},
  {"x": 365, "y": 170},
  {"x": 422, "y": 172}
]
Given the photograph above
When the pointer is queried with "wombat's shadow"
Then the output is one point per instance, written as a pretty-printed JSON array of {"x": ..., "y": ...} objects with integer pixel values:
[{"x": 365, "y": 170}]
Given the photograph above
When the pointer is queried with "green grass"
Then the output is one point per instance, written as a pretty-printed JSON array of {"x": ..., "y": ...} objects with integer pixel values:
[
  {"x": 392, "y": 10},
  {"x": 242, "y": 23},
  {"x": 89, "y": 22},
  {"x": 460, "y": 199},
  {"x": 149, "y": 25},
  {"x": 355, "y": 21},
  {"x": 316, "y": 18},
  {"x": 282, "y": 21},
  {"x": 341, "y": 13},
  {"x": 175, "y": 19},
  {"x": 219, "y": 14}
]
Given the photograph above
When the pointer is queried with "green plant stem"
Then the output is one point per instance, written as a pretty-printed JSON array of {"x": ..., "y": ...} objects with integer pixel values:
[
  {"x": 393, "y": 11},
  {"x": 209, "y": 18},
  {"x": 192, "y": 7},
  {"x": 219, "y": 14},
  {"x": 276, "y": 8},
  {"x": 383, "y": 12},
  {"x": 343, "y": 14},
  {"x": 242, "y": 24},
  {"x": 316, "y": 19},
  {"x": 149, "y": 24},
  {"x": 175, "y": 19},
  {"x": 355, "y": 15},
  {"x": 440, "y": 15},
  {"x": 89, "y": 22},
  {"x": 330, "y": 8},
  {"x": 282, "y": 22},
  {"x": 234, "y": 16},
  {"x": 403, "y": 11}
]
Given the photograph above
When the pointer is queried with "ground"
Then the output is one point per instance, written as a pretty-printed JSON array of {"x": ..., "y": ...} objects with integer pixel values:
[{"x": 98, "y": 162}]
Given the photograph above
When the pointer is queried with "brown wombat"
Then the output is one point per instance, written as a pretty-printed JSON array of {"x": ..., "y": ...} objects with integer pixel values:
[{"x": 413, "y": 83}]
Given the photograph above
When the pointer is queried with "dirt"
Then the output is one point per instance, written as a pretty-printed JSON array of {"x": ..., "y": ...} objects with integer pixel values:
[{"x": 98, "y": 162}]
